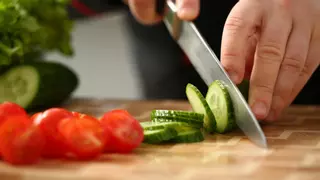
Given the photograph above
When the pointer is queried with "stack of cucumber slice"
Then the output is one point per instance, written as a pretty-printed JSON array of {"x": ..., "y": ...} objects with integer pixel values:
[{"x": 211, "y": 114}]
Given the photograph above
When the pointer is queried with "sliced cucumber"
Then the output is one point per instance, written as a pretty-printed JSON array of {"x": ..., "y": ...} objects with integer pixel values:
[
  {"x": 191, "y": 118},
  {"x": 37, "y": 84},
  {"x": 200, "y": 105},
  {"x": 221, "y": 105},
  {"x": 177, "y": 114},
  {"x": 189, "y": 122},
  {"x": 187, "y": 135},
  {"x": 148, "y": 125},
  {"x": 159, "y": 135}
]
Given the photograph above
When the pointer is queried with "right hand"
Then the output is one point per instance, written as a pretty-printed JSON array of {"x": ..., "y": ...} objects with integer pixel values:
[{"x": 144, "y": 10}]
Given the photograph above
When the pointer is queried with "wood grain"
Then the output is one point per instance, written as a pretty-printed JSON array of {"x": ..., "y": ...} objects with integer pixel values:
[{"x": 294, "y": 152}]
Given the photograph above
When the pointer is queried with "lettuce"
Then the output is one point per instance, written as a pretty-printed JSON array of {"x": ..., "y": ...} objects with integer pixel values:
[{"x": 29, "y": 28}]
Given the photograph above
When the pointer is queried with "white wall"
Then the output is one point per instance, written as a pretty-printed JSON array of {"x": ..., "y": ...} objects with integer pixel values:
[{"x": 102, "y": 59}]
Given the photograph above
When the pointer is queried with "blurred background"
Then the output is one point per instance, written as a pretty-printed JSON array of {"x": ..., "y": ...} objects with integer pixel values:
[{"x": 101, "y": 44}]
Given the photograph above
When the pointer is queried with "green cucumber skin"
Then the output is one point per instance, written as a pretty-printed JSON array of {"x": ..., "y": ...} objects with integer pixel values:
[
  {"x": 230, "y": 115},
  {"x": 159, "y": 136},
  {"x": 209, "y": 123},
  {"x": 194, "y": 124},
  {"x": 188, "y": 136},
  {"x": 57, "y": 82},
  {"x": 177, "y": 114},
  {"x": 150, "y": 125}
]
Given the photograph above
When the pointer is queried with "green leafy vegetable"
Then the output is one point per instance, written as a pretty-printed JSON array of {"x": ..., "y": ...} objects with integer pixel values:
[{"x": 29, "y": 28}]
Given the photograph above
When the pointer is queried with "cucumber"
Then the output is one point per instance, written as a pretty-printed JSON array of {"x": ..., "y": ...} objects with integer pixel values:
[
  {"x": 191, "y": 118},
  {"x": 170, "y": 132},
  {"x": 159, "y": 135},
  {"x": 178, "y": 114},
  {"x": 37, "y": 84},
  {"x": 187, "y": 135},
  {"x": 221, "y": 105},
  {"x": 200, "y": 105},
  {"x": 160, "y": 125},
  {"x": 189, "y": 122}
]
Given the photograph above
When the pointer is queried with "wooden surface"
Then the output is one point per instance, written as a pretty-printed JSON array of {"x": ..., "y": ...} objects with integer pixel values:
[{"x": 293, "y": 154}]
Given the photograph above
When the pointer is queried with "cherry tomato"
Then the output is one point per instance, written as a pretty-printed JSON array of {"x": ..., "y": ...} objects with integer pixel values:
[
  {"x": 124, "y": 130},
  {"x": 82, "y": 115},
  {"x": 21, "y": 142},
  {"x": 48, "y": 121},
  {"x": 8, "y": 109},
  {"x": 84, "y": 135}
]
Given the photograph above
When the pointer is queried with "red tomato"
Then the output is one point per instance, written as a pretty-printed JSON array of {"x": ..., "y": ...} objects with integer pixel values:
[
  {"x": 20, "y": 141},
  {"x": 82, "y": 115},
  {"x": 124, "y": 130},
  {"x": 84, "y": 135},
  {"x": 8, "y": 109},
  {"x": 48, "y": 121}
]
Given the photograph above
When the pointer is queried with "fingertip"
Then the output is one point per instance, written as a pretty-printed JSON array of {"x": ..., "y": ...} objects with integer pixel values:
[
  {"x": 260, "y": 109},
  {"x": 144, "y": 11},
  {"x": 188, "y": 9}
]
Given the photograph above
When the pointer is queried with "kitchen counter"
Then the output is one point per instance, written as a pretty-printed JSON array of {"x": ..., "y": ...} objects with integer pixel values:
[{"x": 293, "y": 154}]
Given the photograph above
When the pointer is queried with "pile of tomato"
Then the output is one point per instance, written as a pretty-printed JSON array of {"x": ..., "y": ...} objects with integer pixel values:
[{"x": 60, "y": 133}]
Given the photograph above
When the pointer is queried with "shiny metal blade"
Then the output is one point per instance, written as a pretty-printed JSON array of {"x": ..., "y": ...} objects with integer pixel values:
[{"x": 209, "y": 68}]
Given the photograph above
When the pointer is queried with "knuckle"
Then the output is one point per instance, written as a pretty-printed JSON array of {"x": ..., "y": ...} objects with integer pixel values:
[
  {"x": 293, "y": 63},
  {"x": 234, "y": 24},
  {"x": 307, "y": 70},
  {"x": 262, "y": 87},
  {"x": 229, "y": 60},
  {"x": 270, "y": 52}
]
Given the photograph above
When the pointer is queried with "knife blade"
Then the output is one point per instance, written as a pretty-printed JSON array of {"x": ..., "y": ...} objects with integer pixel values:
[{"x": 208, "y": 66}]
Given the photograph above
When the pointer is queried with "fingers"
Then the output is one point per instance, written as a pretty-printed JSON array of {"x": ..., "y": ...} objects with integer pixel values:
[
  {"x": 188, "y": 9},
  {"x": 250, "y": 55},
  {"x": 144, "y": 11},
  {"x": 239, "y": 26},
  {"x": 311, "y": 64},
  {"x": 291, "y": 67},
  {"x": 269, "y": 54}
]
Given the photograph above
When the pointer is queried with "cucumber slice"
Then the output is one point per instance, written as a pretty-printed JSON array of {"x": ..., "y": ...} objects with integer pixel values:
[
  {"x": 177, "y": 114},
  {"x": 159, "y": 135},
  {"x": 189, "y": 122},
  {"x": 187, "y": 135},
  {"x": 191, "y": 118},
  {"x": 221, "y": 105},
  {"x": 200, "y": 105},
  {"x": 160, "y": 125},
  {"x": 37, "y": 84}
]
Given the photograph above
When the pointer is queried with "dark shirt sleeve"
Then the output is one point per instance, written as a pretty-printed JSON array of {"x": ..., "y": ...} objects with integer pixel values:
[{"x": 88, "y": 8}]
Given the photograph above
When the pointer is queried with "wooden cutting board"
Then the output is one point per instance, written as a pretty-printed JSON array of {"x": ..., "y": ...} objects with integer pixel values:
[{"x": 294, "y": 152}]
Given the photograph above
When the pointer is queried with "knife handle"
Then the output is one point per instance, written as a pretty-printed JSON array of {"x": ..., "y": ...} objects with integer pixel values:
[{"x": 168, "y": 10}]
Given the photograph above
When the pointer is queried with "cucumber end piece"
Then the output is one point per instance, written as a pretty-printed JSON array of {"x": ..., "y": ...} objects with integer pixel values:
[
  {"x": 20, "y": 85},
  {"x": 200, "y": 105}
]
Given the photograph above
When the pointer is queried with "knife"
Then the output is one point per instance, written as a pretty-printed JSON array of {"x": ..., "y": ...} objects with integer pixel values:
[{"x": 209, "y": 67}]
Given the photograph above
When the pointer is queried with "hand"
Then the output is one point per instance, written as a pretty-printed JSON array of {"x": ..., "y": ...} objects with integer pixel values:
[
  {"x": 275, "y": 43},
  {"x": 144, "y": 10}
]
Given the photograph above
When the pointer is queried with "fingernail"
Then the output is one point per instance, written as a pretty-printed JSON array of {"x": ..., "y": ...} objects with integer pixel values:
[
  {"x": 233, "y": 76},
  {"x": 260, "y": 109}
]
